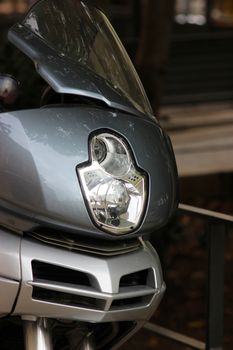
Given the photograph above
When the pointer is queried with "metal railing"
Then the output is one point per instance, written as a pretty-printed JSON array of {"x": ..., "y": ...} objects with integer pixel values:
[{"x": 217, "y": 228}]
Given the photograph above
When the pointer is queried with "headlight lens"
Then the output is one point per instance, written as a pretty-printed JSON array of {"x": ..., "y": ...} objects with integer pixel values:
[{"x": 114, "y": 188}]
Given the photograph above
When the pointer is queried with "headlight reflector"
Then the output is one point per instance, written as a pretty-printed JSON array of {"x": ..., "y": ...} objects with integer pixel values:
[{"x": 113, "y": 186}]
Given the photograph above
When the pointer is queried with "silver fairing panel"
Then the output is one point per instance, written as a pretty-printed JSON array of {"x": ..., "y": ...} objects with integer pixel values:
[
  {"x": 48, "y": 281},
  {"x": 45, "y": 297},
  {"x": 10, "y": 274},
  {"x": 40, "y": 150},
  {"x": 39, "y": 280}
]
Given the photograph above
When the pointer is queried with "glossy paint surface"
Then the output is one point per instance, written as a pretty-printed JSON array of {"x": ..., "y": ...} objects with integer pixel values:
[{"x": 40, "y": 150}]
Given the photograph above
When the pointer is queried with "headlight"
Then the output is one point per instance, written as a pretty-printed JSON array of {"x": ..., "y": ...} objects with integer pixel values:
[{"x": 113, "y": 186}]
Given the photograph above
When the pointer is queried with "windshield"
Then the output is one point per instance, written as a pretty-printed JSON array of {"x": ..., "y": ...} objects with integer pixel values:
[{"x": 83, "y": 34}]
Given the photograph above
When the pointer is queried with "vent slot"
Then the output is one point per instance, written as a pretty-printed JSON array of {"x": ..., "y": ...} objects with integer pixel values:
[
  {"x": 74, "y": 242},
  {"x": 139, "y": 278},
  {"x": 130, "y": 302},
  {"x": 55, "y": 297},
  {"x": 54, "y": 273}
]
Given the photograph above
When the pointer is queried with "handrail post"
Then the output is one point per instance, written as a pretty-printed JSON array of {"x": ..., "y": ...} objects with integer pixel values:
[{"x": 215, "y": 323}]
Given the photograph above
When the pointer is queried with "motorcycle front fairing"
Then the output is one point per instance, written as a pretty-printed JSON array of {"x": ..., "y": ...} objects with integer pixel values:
[
  {"x": 74, "y": 172},
  {"x": 77, "y": 52},
  {"x": 39, "y": 153}
]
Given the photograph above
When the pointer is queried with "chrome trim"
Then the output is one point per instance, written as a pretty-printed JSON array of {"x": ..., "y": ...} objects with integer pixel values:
[
  {"x": 37, "y": 335},
  {"x": 134, "y": 180}
]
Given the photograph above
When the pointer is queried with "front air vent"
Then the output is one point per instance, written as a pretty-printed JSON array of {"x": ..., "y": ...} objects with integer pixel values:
[
  {"x": 59, "y": 285},
  {"x": 53, "y": 273},
  {"x": 65, "y": 286},
  {"x": 73, "y": 242},
  {"x": 119, "y": 304},
  {"x": 56, "y": 297},
  {"x": 139, "y": 278}
]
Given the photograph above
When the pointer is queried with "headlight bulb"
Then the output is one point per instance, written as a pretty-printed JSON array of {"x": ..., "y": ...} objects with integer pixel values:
[
  {"x": 115, "y": 189},
  {"x": 99, "y": 150}
]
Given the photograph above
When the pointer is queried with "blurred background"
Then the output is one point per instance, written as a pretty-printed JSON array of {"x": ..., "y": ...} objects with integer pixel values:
[{"x": 183, "y": 52}]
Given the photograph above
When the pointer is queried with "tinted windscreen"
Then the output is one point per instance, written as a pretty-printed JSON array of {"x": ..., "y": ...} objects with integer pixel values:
[{"x": 83, "y": 33}]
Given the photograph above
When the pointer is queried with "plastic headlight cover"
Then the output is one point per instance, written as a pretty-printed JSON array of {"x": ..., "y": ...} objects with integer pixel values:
[{"x": 114, "y": 188}]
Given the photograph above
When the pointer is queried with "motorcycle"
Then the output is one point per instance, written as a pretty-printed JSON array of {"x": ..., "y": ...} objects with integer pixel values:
[{"x": 84, "y": 180}]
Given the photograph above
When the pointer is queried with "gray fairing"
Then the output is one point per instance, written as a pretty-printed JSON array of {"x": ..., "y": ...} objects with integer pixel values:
[{"x": 40, "y": 150}]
